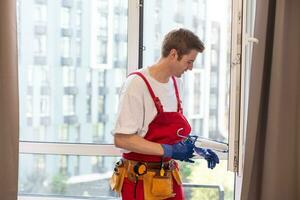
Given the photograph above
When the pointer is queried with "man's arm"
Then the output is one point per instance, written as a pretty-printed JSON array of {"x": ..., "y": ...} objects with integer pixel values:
[{"x": 136, "y": 143}]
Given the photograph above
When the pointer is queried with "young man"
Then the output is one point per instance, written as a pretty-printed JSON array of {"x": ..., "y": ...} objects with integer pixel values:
[{"x": 149, "y": 120}]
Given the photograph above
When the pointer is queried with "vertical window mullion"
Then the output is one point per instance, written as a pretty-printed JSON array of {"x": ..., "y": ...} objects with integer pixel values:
[
  {"x": 133, "y": 34},
  {"x": 235, "y": 85}
]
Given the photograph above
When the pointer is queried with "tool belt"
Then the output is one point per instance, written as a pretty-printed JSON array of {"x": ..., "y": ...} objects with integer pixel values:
[{"x": 157, "y": 177}]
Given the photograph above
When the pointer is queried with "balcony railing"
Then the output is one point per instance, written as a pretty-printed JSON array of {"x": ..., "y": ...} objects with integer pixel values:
[
  {"x": 216, "y": 187},
  {"x": 57, "y": 197}
]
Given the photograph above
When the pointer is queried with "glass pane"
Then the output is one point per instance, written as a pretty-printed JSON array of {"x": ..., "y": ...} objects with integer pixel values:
[
  {"x": 88, "y": 176},
  {"x": 72, "y": 62},
  {"x": 206, "y": 87},
  {"x": 206, "y": 91},
  {"x": 66, "y": 176},
  {"x": 205, "y": 183}
]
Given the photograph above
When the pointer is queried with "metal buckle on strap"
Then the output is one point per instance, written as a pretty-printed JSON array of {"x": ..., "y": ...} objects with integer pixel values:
[
  {"x": 118, "y": 164},
  {"x": 171, "y": 165}
]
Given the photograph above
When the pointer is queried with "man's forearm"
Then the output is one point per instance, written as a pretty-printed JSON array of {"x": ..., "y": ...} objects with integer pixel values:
[{"x": 135, "y": 143}]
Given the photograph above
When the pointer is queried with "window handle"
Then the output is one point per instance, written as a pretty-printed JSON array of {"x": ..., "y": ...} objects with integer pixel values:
[{"x": 253, "y": 40}]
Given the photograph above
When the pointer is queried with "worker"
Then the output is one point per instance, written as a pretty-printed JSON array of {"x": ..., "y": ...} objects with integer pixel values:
[{"x": 148, "y": 121}]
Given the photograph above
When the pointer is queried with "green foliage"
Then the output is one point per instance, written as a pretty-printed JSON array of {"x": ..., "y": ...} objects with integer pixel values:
[
  {"x": 58, "y": 184},
  {"x": 35, "y": 182},
  {"x": 185, "y": 171}
]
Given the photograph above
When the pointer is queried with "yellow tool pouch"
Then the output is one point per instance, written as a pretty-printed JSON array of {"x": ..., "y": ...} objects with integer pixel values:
[
  {"x": 117, "y": 179},
  {"x": 157, "y": 187}
]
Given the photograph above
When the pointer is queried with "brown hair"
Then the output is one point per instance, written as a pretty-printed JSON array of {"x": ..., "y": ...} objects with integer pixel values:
[{"x": 183, "y": 41}]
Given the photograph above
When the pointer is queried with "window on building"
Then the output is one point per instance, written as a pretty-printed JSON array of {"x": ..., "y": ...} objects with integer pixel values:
[
  {"x": 40, "y": 163},
  {"x": 44, "y": 75},
  {"x": 68, "y": 105},
  {"x": 40, "y": 13},
  {"x": 69, "y": 76},
  {"x": 45, "y": 105},
  {"x": 63, "y": 165},
  {"x": 65, "y": 17},
  {"x": 29, "y": 106},
  {"x": 213, "y": 80},
  {"x": 40, "y": 45},
  {"x": 66, "y": 47},
  {"x": 197, "y": 93},
  {"x": 63, "y": 134}
]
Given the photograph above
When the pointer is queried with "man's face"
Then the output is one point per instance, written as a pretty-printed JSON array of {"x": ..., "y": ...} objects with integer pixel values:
[{"x": 185, "y": 63}]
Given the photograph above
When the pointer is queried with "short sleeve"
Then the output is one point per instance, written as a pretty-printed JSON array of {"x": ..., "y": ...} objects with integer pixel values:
[{"x": 129, "y": 119}]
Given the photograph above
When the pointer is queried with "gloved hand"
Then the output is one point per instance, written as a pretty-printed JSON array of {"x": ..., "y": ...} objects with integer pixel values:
[
  {"x": 182, "y": 151},
  {"x": 209, "y": 155}
]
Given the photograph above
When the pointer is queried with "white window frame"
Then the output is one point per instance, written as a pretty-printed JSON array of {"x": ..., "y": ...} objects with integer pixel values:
[
  {"x": 235, "y": 85},
  {"x": 132, "y": 63},
  {"x": 247, "y": 43}
]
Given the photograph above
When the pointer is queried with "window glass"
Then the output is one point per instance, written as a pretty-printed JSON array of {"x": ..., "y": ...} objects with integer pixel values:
[
  {"x": 66, "y": 176},
  {"x": 72, "y": 176},
  {"x": 71, "y": 70},
  {"x": 213, "y": 28},
  {"x": 206, "y": 86}
]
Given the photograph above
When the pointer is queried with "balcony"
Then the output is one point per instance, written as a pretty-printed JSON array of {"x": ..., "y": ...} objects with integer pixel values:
[
  {"x": 98, "y": 139},
  {"x": 29, "y": 121},
  {"x": 70, "y": 119},
  {"x": 45, "y": 120},
  {"x": 120, "y": 11},
  {"x": 118, "y": 90},
  {"x": 70, "y": 90},
  {"x": 189, "y": 186},
  {"x": 78, "y": 33},
  {"x": 67, "y": 3},
  {"x": 89, "y": 89},
  {"x": 41, "y": 1},
  {"x": 29, "y": 90},
  {"x": 66, "y": 61},
  {"x": 120, "y": 64},
  {"x": 40, "y": 60},
  {"x": 78, "y": 62},
  {"x": 40, "y": 29},
  {"x": 178, "y": 18},
  {"x": 66, "y": 32},
  {"x": 120, "y": 37},
  {"x": 45, "y": 90},
  {"x": 103, "y": 91},
  {"x": 102, "y": 117}
]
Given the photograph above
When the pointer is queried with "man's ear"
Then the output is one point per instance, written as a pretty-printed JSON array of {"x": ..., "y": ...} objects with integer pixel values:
[{"x": 173, "y": 54}]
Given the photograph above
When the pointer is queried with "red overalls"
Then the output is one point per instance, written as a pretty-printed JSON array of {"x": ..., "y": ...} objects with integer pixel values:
[{"x": 163, "y": 130}]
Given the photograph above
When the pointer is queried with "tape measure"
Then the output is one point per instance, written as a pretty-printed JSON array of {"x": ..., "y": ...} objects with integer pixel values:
[{"x": 140, "y": 168}]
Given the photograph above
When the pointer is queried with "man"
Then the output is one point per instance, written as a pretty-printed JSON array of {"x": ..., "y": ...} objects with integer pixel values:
[{"x": 150, "y": 121}]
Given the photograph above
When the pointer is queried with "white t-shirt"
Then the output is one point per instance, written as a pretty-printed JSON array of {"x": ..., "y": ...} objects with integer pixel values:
[{"x": 136, "y": 108}]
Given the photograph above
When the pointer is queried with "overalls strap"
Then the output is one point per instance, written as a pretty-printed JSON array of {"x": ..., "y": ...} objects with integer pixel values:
[
  {"x": 156, "y": 100},
  {"x": 179, "y": 108}
]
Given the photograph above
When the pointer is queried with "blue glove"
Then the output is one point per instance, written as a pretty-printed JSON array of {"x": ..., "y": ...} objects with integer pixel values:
[
  {"x": 182, "y": 151},
  {"x": 209, "y": 155}
]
